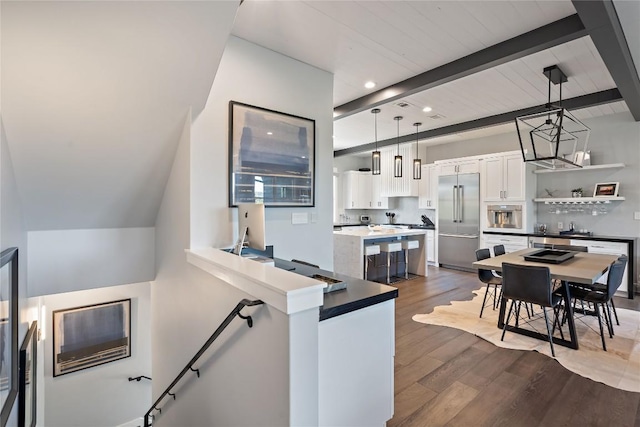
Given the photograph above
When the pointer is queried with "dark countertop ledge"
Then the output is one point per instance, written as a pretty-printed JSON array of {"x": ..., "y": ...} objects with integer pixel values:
[
  {"x": 567, "y": 236},
  {"x": 357, "y": 295}
]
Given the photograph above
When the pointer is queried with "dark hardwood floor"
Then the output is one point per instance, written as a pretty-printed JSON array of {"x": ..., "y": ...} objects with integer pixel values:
[{"x": 447, "y": 377}]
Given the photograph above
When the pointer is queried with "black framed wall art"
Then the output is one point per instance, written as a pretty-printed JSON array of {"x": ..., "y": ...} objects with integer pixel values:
[
  {"x": 271, "y": 157},
  {"x": 88, "y": 336}
]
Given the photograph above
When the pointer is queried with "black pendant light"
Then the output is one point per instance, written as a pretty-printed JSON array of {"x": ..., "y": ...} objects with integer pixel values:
[
  {"x": 375, "y": 156},
  {"x": 417, "y": 163},
  {"x": 397, "y": 160}
]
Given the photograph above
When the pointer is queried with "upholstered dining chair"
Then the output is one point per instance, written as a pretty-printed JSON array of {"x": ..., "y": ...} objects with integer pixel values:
[
  {"x": 500, "y": 250},
  {"x": 491, "y": 280},
  {"x": 530, "y": 284},
  {"x": 600, "y": 296},
  {"x": 601, "y": 287}
]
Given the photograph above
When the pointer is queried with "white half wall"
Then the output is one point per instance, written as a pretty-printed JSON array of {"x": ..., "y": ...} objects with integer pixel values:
[
  {"x": 253, "y": 75},
  {"x": 100, "y": 396},
  {"x": 244, "y": 376},
  {"x": 72, "y": 260}
]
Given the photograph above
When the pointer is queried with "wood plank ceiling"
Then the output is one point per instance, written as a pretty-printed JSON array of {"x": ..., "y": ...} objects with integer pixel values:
[{"x": 390, "y": 41}]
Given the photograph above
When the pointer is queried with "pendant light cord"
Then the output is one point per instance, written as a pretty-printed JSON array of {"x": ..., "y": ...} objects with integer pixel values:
[
  {"x": 417, "y": 140},
  {"x": 375, "y": 117},
  {"x": 398, "y": 135}
]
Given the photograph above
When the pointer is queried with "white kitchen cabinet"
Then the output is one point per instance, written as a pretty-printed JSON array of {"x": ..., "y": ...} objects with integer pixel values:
[
  {"x": 460, "y": 166},
  {"x": 351, "y": 190},
  {"x": 511, "y": 243},
  {"x": 378, "y": 201},
  {"x": 503, "y": 178},
  {"x": 428, "y": 188},
  {"x": 607, "y": 248},
  {"x": 361, "y": 190},
  {"x": 397, "y": 187}
]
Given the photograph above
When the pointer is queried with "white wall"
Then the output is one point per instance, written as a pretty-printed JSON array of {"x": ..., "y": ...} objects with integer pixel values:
[
  {"x": 13, "y": 234},
  {"x": 246, "y": 368},
  {"x": 257, "y": 76},
  {"x": 100, "y": 396},
  {"x": 72, "y": 260}
]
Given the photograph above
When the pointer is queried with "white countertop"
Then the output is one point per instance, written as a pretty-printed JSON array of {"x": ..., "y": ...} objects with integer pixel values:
[
  {"x": 366, "y": 233},
  {"x": 286, "y": 291}
]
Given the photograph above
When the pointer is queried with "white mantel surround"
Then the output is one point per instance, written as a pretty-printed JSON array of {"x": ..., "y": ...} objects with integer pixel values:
[
  {"x": 288, "y": 292},
  {"x": 348, "y": 248}
]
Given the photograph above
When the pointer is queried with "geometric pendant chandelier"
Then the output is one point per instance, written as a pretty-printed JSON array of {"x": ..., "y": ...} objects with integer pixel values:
[{"x": 552, "y": 137}]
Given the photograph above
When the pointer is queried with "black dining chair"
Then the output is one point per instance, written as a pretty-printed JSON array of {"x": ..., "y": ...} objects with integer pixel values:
[
  {"x": 530, "y": 284},
  {"x": 487, "y": 277},
  {"x": 500, "y": 250},
  {"x": 600, "y": 298}
]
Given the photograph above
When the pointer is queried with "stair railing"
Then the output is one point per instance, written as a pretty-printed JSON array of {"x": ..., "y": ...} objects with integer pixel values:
[{"x": 189, "y": 367}]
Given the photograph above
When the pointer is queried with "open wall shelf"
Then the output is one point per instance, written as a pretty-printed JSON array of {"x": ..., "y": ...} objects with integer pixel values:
[
  {"x": 584, "y": 168},
  {"x": 577, "y": 200}
]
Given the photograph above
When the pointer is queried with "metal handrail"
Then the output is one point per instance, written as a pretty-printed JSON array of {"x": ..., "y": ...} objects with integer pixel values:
[
  {"x": 138, "y": 378},
  {"x": 189, "y": 367}
]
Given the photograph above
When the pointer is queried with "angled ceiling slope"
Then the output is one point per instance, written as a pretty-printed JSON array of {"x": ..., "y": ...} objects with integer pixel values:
[{"x": 94, "y": 99}]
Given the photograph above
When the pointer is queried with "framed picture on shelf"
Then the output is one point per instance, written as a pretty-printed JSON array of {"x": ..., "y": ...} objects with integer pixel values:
[
  {"x": 88, "y": 336},
  {"x": 271, "y": 157},
  {"x": 8, "y": 332},
  {"x": 607, "y": 189}
]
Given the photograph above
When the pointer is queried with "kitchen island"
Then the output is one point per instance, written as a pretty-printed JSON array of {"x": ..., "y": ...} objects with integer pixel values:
[{"x": 348, "y": 249}]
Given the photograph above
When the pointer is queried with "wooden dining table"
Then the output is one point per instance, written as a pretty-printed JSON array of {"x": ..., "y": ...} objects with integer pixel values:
[{"x": 585, "y": 268}]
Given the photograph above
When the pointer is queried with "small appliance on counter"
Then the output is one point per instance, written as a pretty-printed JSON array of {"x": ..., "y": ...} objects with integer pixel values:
[{"x": 365, "y": 219}]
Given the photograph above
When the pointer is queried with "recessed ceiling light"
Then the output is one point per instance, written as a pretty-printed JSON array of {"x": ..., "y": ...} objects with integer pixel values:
[
  {"x": 426, "y": 109},
  {"x": 269, "y": 133},
  {"x": 370, "y": 85}
]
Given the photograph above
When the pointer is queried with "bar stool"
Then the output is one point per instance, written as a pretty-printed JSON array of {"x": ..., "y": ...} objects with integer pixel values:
[
  {"x": 406, "y": 245},
  {"x": 389, "y": 247},
  {"x": 369, "y": 251}
]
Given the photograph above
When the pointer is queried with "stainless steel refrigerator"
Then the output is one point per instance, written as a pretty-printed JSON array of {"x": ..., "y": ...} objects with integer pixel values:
[{"x": 458, "y": 220}]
